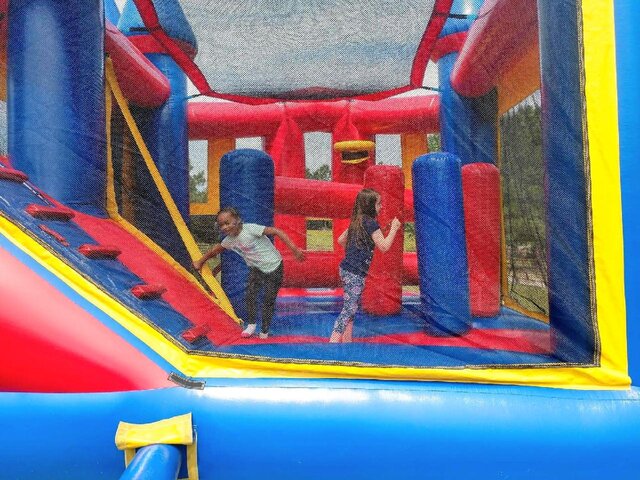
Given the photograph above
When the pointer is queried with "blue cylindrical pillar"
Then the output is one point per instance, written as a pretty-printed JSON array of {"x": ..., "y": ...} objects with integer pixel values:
[
  {"x": 441, "y": 244},
  {"x": 164, "y": 129},
  {"x": 154, "y": 462},
  {"x": 247, "y": 184},
  {"x": 468, "y": 126},
  {"x": 456, "y": 126},
  {"x": 55, "y": 100}
]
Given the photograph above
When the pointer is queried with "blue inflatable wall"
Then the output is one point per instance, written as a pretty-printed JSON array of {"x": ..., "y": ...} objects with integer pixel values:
[{"x": 440, "y": 243}]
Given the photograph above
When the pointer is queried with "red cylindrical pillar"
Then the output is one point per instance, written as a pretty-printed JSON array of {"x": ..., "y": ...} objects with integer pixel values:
[
  {"x": 383, "y": 291},
  {"x": 481, "y": 194},
  {"x": 410, "y": 268}
]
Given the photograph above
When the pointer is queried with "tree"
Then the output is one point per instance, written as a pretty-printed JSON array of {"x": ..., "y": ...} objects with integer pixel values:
[
  {"x": 433, "y": 142},
  {"x": 197, "y": 186},
  {"x": 323, "y": 172}
]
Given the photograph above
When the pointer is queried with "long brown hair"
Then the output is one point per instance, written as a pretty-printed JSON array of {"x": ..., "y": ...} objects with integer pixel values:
[{"x": 365, "y": 204}]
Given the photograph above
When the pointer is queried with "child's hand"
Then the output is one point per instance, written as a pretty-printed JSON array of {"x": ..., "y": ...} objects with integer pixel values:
[
  {"x": 197, "y": 264},
  {"x": 395, "y": 224},
  {"x": 299, "y": 254}
]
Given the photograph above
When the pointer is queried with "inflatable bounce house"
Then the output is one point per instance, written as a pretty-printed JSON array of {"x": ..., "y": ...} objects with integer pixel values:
[{"x": 498, "y": 337}]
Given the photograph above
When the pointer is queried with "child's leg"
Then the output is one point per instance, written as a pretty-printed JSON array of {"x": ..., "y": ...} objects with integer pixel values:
[
  {"x": 353, "y": 286},
  {"x": 272, "y": 283},
  {"x": 347, "y": 336},
  {"x": 251, "y": 298}
]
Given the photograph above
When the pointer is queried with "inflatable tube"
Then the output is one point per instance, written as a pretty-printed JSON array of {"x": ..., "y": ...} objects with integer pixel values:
[
  {"x": 417, "y": 114},
  {"x": 319, "y": 270},
  {"x": 157, "y": 462},
  {"x": 455, "y": 116},
  {"x": 288, "y": 154},
  {"x": 314, "y": 198},
  {"x": 503, "y": 32},
  {"x": 410, "y": 430},
  {"x": 133, "y": 70},
  {"x": 165, "y": 133},
  {"x": 440, "y": 241}
]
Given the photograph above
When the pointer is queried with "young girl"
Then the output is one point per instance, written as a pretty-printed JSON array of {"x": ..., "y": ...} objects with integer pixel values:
[
  {"x": 359, "y": 241},
  {"x": 265, "y": 262}
]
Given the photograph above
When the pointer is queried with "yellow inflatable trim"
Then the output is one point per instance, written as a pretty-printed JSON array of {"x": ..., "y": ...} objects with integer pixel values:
[
  {"x": 169, "y": 431},
  {"x": 219, "y": 295},
  {"x": 354, "y": 145}
]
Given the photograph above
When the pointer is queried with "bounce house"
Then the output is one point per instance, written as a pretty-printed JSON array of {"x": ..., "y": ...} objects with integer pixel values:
[{"x": 498, "y": 337}]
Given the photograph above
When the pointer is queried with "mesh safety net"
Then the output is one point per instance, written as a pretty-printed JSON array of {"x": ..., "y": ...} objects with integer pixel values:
[{"x": 308, "y": 50}]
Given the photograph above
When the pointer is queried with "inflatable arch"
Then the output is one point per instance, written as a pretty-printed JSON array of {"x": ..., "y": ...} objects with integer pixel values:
[{"x": 497, "y": 336}]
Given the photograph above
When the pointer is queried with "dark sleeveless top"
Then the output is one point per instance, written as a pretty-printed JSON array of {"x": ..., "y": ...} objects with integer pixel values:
[{"x": 358, "y": 257}]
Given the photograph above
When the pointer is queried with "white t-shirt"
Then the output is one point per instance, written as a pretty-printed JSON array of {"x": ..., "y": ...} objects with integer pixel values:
[{"x": 256, "y": 249}]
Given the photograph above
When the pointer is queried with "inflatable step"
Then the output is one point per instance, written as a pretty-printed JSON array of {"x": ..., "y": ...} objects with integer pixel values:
[
  {"x": 54, "y": 234},
  {"x": 13, "y": 175},
  {"x": 148, "y": 292},
  {"x": 45, "y": 212},
  {"x": 196, "y": 332},
  {"x": 99, "y": 251}
]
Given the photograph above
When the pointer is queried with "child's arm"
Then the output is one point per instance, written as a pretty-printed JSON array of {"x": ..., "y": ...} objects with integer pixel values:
[
  {"x": 342, "y": 239},
  {"x": 217, "y": 249},
  {"x": 299, "y": 254},
  {"x": 379, "y": 239}
]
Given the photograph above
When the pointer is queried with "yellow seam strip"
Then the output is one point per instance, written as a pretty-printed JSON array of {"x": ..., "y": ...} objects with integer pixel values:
[
  {"x": 112, "y": 208},
  {"x": 112, "y": 205},
  {"x": 188, "y": 240},
  {"x": 606, "y": 203}
]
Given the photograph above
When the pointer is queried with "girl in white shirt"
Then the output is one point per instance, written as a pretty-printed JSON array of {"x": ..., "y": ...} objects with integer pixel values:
[{"x": 250, "y": 241}]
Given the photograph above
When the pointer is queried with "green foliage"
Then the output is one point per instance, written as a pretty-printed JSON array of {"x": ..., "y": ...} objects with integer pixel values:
[
  {"x": 197, "y": 186},
  {"x": 409, "y": 237},
  {"x": 433, "y": 142},
  {"x": 523, "y": 175},
  {"x": 523, "y": 195},
  {"x": 321, "y": 173}
]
